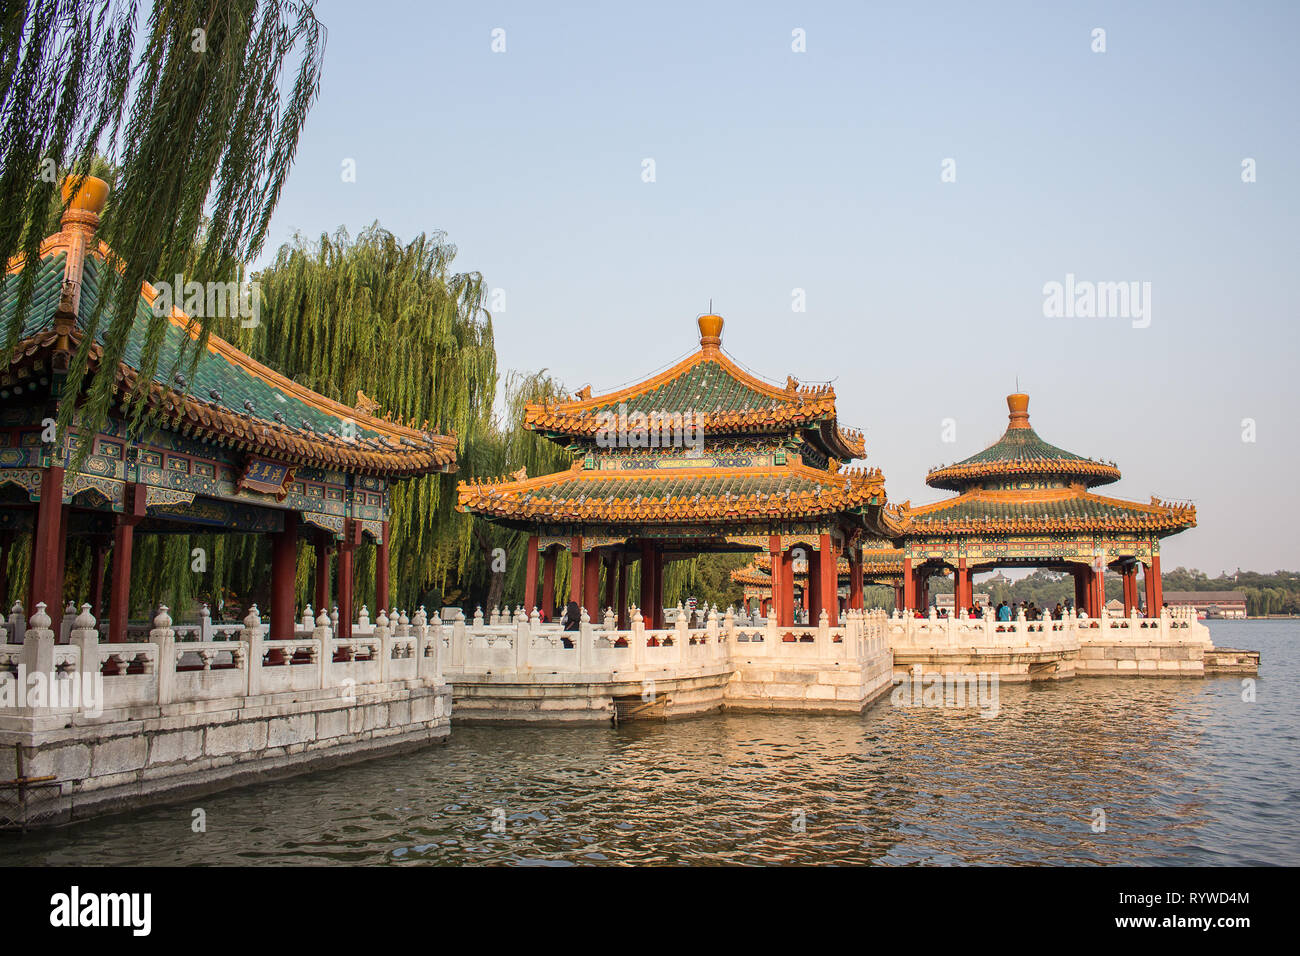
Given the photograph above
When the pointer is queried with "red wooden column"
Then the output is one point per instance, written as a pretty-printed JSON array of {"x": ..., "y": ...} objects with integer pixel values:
[
  {"x": 648, "y": 600},
  {"x": 812, "y": 592},
  {"x": 591, "y": 584},
  {"x": 119, "y": 598},
  {"x": 381, "y": 570},
  {"x": 1080, "y": 589},
  {"x": 961, "y": 590},
  {"x": 1155, "y": 587},
  {"x": 856, "y": 599},
  {"x": 898, "y": 596},
  {"x": 324, "y": 546},
  {"x": 621, "y": 564},
  {"x": 284, "y": 571},
  {"x": 828, "y": 566},
  {"x": 658, "y": 592},
  {"x": 1130, "y": 596},
  {"x": 787, "y": 589},
  {"x": 1099, "y": 591},
  {"x": 346, "y": 554},
  {"x": 6, "y": 542},
  {"x": 99, "y": 551},
  {"x": 576, "y": 575},
  {"x": 530, "y": 575},
  {"x": 774, "y": 552},
  {"x": 610, "y": 563},
  {"x": 908, "y": 602},
  {"x": 548, "y": 583},
  {"x": 48, "y": 546}
]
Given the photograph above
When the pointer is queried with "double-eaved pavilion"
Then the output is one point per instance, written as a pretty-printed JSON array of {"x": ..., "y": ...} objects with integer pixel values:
[
  {"x": 703, "y": 457},
  {"x": 234, "y": 447},
  {"x": 1021, "y": 503}
]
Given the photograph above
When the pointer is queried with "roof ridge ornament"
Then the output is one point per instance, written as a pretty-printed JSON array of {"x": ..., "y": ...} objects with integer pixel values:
[
  {"x": 1018, "y": 406},
  {"x": 710, "y": 326}
]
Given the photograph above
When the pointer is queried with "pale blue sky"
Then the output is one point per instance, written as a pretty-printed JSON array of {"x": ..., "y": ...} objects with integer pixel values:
[{"x": 820, "y": 171}]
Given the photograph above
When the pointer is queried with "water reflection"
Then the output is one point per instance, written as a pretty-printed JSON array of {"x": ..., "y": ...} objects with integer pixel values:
[{"x": 1185, "y": 771}]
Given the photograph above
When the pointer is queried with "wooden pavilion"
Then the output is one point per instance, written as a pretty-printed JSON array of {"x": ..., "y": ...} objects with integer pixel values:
[
  {"x": 1022, "y": 502},
  {"x": 703, "y": 457},
  {"x": 232, "y": 446}
]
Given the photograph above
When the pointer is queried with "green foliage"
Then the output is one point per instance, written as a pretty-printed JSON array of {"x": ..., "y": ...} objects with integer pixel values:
[
  {"x": 194, "y": 122},
  {"x": 394, "y": 321}
]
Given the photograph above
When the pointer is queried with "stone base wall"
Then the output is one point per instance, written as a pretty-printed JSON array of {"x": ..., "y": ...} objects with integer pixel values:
[
  {"x": 1146, "y": 660},
  {"x": 123, "y": 760},
  {"x": 809, "y": 686},
  {"x": 1012, "y": 666},
  {"x": 584, "y": 698},
  {"x": 1230, "y": 660}
]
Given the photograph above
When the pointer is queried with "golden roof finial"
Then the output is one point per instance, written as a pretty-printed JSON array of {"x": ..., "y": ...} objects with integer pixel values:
[
  {"x": 710, "y": 330},
  {"x": 81, "y": 212},
  {"x": 1018, "y": 404}
]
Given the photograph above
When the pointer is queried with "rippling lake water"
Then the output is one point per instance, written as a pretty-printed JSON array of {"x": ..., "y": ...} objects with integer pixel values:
[{"x": 1185, "y": 771}]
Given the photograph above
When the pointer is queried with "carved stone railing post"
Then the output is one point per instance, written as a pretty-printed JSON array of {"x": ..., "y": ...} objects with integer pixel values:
[
  {"x": 85, "y": 637},
  {"x": 384, "y": 637},
  {"x": 638, "y": 639},
  {"x": 325, "y": 635},
  {"x": 585, "y": 637},
  {"x": 17, "y": 623},
  {"x": 523, "y": 637},
  {"x": 435, "y": 637},
  {"x": 65, "y": 623},
  {"x": 38, "y": 648},
  {"x": 252, "y": 635},
  {"x": 420, "y": 634},
  {"x": 163, "y": 635},
  {"x": 459, "y": 640}
]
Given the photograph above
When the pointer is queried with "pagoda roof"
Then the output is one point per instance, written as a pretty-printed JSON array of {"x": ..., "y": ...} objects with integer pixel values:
[
  {"x": 724, "y": 397},
  {"x": 229, "y": 396},
  {"x": 1074, "y": 508},
  {"x": 1020, "y": 453},
  {"x": 705, "y": 495}
]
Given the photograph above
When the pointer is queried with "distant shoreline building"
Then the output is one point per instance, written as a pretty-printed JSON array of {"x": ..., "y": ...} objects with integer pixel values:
[{"x": 1218, "y": 604}]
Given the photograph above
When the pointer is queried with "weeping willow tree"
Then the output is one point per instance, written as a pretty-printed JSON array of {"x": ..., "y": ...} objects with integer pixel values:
[
  {"x": 195, "y": 108},
  {"x": 493, "y": 558},
  {"x": 393, "y": 320}
]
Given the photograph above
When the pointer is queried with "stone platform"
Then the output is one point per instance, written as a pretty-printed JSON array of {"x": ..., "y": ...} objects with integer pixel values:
[
  {"x": 161, "y": 720},
  {"x": 517, "y": 670}
]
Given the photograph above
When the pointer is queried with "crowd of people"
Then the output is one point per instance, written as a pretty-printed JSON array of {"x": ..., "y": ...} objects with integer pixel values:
[{"x": 1008, "y": 611}]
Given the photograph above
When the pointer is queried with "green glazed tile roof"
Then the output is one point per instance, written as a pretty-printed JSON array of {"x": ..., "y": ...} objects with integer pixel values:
[
  {"x": 45, "y": 296},
  {"x": 228, "y": 392},
  {"x": 233, "y": 384},
  {"x": 705, "y": 387}
]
